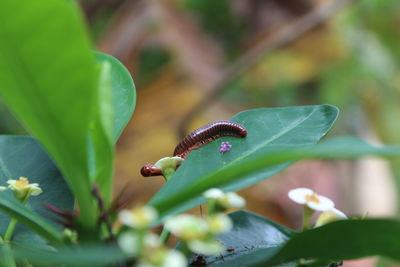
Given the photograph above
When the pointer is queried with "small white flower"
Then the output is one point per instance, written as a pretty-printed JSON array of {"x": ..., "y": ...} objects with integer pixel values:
[
  {"x": 174, "y": 258},
  {"x": 234, "y": 200},
  {"x": 21, "y": 188},
  {"x": 128, "y": 242},
  {"x": 140, "y": 217},
  {"x": 219, "y": 223},
  {"x": 225, "y": 200},
  {"x": 213, "y": 193},
  {"x": 206, "y": 247},
  {"x": 3, "y": 188},
  {"x": 187, "y": 227},
  {"x": 308, "y": 197},
  {"x": 330, "y": 216}
]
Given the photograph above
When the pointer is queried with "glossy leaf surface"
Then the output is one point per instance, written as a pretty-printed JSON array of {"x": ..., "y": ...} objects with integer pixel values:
[
  {"x": 251, "y": 239},
  {"x": 48, "y": 79},
  {"x": 268, "y": 129},
  {"x": 24, "y": 156},
  {"x": 341, "y": 240}
]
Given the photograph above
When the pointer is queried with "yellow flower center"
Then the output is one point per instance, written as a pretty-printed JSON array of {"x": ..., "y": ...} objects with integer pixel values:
[
  {"x": 313, "y": 198},
  {"x": 22, "y": 182}
]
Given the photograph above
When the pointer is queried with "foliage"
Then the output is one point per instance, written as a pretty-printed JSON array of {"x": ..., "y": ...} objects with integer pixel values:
[{"x": 76, "y": 104}]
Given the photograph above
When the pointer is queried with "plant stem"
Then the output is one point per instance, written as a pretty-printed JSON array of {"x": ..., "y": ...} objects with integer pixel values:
[
  {"x": 307, "y": 214},
  {"x": 168, "y": 172},
  {"x": 7, "y": 258},
  {"x": 164, "y": 236},
  {"x": 13, "y": 222},
  {"x": 10, "y": 229}
]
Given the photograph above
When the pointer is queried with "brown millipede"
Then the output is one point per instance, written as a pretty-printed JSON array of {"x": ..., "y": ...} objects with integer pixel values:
[{"x": 206, "y": 134}]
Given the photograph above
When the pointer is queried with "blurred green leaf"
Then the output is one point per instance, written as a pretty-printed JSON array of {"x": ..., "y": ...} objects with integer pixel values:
[
  {"x": 268, "y": 129},
  {"x": 123, "y": 93},
  {"x": 343, "y": 240},
  {"x": 30, "y": 220},
  {"x": 251, "y": 233},
  {"x": 116, "y": 99},
  {"x": 48, "y": 78},
  {"x": 24, "y": 156},
  {"x": 101, "y": 139},
  {"x": 96, "y": 255}
]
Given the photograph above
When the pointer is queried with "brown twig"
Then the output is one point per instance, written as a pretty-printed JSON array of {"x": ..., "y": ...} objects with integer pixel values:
[
  {"x": 283, "y": 37},
  {"x": 104, "y": 218}
]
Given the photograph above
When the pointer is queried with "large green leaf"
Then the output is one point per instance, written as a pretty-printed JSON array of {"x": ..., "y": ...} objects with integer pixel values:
[
  {"x": 251, "y": 239},
  {"x": 342, "y": 240},
  {"x": 48, "y": 78},
  {"x": 123, "y": 93},
  {"x": 268, "y": 129},
  {"x": 336, "y": 148},
  {"x": 24, "y": 156}
]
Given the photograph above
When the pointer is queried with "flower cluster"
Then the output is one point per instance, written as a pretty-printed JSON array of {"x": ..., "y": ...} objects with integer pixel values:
[
  {"x": 141, "y": 243},
  {"x": 314, "y": 202},
  {"x": 198, "y": 233}
]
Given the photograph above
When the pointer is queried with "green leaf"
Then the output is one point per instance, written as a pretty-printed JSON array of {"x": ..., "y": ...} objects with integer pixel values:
[
  {"x": 24, "y": 156},
  {"x": 268, "y": 129},
  {"x": 251, "y": 240},
  {"x": 332, "y": 149},
  {"x": 116, "y": 98},
  {"x": 95, "y": 255},
  {"x": 123, "y": 93},
  {"x": 343, "y": 240},
  {"x": 29, "y": 219},
  {"x": 48, "y": 78},
  {"x": 101, "y": 143}
]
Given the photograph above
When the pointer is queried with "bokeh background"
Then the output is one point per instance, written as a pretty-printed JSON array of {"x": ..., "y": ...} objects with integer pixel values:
[{"x": 196, "y": 61}]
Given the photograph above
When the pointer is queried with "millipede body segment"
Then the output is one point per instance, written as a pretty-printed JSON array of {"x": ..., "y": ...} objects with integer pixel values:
[{"x": 208, "y": 133}]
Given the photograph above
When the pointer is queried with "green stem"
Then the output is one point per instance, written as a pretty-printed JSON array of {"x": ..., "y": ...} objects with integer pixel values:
[
  {"x": 185, "y": 250},
  {"x": 168, "y": 172},
  {"x": 10, "y": 229},
  {"x": 164, "y": 236},
  {"x": 307, "y": 214},
  {"x": 7, "y": 256},
  {"x": 13, "y": 222}
]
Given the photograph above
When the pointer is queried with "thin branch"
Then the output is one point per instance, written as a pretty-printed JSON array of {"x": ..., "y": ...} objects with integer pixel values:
[{"x": 283, "y": 37}]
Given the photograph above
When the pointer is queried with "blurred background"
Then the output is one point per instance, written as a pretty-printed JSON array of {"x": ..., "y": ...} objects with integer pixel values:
[{"x": 196, "y": 61}]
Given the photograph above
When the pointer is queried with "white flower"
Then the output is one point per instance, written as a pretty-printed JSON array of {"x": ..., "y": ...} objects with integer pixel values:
[
  {"x": 174, "y": 258},
  {"x": 225, "y": 200},
  {"x": 213, "y": 193},
  {"x": 219, "y": 223},
  {"x": 206, "y": 247},
  {"x": 187, "y": 227},
  {"x": 129, "y": 242},
  {"x": 308, "y": 197},
  {"x": 140, "y": 217},
  {"x": 3, "y": 188},
  {"x": 234, "y": 200},
  {"x": 22, "y": 188},
  {"x": 330, "y": 216}
]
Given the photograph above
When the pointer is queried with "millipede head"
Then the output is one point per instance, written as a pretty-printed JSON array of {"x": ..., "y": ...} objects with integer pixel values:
[{"x": 150, "y": 170}]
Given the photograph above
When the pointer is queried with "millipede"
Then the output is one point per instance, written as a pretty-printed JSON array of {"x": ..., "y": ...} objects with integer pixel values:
[
  {"x": 207, "y": 134},
  {"x": 198, "y": 138}
]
